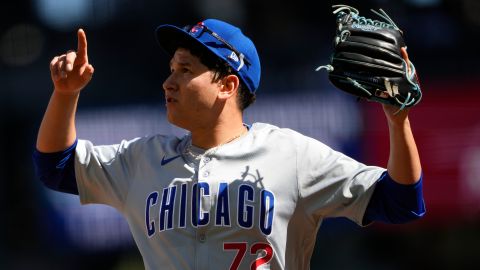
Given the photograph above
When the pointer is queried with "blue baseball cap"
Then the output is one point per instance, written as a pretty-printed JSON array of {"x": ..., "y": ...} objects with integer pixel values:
[{"x": 223, "y": 39}]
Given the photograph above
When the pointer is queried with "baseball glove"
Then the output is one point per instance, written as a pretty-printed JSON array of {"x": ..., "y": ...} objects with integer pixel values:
[{"x": 370, "y": 60}]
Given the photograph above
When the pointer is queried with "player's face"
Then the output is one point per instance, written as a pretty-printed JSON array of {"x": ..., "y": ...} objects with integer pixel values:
[{"x": 189, "y": 91}]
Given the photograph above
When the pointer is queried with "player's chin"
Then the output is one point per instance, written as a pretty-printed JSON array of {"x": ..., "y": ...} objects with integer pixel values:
[
  {"x": 175, "y": 119},
  {"x": 171, "y": 117}
]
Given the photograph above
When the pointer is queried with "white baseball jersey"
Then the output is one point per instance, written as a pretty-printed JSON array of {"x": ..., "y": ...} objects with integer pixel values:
[{"x": 254, "y": 203}]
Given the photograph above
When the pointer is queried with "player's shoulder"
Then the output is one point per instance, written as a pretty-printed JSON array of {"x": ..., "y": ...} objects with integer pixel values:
[
  {"x": 268, "y": 134},
  {"x": 285, "y": 136},
  {"x": 155, "y": 142},
  {"x": 266, "y": 129}
]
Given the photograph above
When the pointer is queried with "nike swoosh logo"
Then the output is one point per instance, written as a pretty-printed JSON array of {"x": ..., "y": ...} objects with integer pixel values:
[{"x": 168, "y": 160}]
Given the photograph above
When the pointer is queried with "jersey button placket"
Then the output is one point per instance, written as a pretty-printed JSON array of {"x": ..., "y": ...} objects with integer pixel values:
[
  {"x": 203, "y": 250},
  {"x": 202, "y": 238},
  {"x": 204, "y": 168}
]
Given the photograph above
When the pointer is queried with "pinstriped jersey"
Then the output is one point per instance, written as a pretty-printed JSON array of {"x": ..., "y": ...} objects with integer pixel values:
[{"x": 254, "y": 203}]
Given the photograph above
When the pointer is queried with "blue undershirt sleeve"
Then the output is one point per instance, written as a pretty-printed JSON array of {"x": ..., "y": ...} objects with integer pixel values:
[
  {"x": 395, "y": 203},
  {"x": 57, "y": 170}
]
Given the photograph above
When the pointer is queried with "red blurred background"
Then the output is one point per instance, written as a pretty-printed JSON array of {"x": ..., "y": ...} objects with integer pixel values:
[{"x": 446, "y": 126}]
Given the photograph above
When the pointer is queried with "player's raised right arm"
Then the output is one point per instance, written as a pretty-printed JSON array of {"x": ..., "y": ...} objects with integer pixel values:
[{"x": 70, "y": 73}]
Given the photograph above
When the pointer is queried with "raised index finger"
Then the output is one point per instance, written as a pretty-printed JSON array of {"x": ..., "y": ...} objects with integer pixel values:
[{"x": 82, "y": 46}]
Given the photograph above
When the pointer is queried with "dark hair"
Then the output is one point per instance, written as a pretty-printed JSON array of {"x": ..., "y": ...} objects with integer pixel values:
[{"x": 221, "y": 69}]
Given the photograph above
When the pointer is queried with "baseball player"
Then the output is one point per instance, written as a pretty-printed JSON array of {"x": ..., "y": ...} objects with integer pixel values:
[{"x": 227, "y": 195}]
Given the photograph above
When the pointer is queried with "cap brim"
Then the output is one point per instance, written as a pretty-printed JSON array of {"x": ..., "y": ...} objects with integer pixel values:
[{"x": 170, "y": 36}]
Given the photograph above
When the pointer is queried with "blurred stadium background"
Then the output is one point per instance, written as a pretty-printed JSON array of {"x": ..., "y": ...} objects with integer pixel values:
[{"x": 40, "y": 229}]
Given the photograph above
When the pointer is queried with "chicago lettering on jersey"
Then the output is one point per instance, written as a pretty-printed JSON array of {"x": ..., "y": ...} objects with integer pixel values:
[{"x": 174, "y": 198}]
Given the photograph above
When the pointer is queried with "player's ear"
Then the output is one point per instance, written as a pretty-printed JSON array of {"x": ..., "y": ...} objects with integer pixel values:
[{"x": 229, "y": 86}]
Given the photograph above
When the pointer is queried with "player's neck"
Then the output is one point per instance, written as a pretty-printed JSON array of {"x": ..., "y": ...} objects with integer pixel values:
[{"x": 218, "y": 134}]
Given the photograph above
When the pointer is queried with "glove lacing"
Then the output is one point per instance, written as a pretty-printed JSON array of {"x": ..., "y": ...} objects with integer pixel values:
[{"x": 366, "y": 21}]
